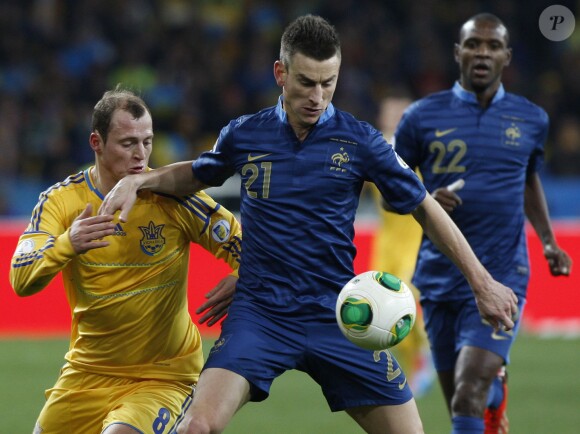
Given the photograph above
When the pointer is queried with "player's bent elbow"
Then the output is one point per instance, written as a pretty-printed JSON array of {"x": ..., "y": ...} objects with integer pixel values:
[{"x": 26, "y": 289}]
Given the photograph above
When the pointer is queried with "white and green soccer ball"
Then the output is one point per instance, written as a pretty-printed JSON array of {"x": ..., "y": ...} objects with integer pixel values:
[{"x": 375, "y": 310}]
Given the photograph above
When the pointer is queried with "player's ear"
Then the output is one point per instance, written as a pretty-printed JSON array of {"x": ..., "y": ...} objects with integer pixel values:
[
  {"x": 280, "y": 73},
  {"x": 95, "y": 141},
  {"x": 456, "y": 52},
  {"x": 508, "y": 56}
]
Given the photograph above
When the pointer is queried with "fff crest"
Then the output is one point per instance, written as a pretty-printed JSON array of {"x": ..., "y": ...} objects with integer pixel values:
[
  {"x": 512, "y": 135},
  {"x": 339, "y": 160},
  {"x": 152, "y": 242}
]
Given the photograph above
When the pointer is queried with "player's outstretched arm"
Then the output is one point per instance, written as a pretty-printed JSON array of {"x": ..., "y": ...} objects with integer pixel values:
[
  {"x": 497, "y": 303},
  {"x": 537, "y": 213},
  {"x": 175, "y": 179}
]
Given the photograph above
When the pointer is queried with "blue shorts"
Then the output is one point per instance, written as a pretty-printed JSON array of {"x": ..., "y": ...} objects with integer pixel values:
[
  {"x": 260, "y": 347},
  {"x": 451, "y": 325}
]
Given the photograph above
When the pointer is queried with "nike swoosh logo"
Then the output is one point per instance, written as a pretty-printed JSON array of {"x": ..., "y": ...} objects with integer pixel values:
[
  {"x": 402, "y": 385},
  {"x": 499, "y": 337},
  {"x": 444, "y": 132},
  {"x": 496, "y": 336},
  {"x": 257, "y": 157}
]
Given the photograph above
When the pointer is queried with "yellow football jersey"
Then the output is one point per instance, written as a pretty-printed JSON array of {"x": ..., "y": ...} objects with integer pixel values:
[{"x": 128, "y": 300}]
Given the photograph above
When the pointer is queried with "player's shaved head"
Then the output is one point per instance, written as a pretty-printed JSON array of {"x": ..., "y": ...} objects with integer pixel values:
[{"x": 484, "y": 18}]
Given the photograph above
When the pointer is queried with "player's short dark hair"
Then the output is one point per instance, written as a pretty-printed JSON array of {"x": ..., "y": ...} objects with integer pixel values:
[
  {"x": 486, "y": 17},
  {"x": 118, "y": 98},
  {"x": 310, "y": 35}
]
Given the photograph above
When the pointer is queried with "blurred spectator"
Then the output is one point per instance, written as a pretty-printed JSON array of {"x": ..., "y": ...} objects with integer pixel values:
[
  {"x": 199, "y": 63},
  {"x": 564, "y": 159}
]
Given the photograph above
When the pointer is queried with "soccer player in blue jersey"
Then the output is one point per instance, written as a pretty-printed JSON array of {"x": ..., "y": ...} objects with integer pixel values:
[
  {"x": 490, "y": 141},
  {"x": 303, "y": 164},
  {"x": 134, "y": 353}
]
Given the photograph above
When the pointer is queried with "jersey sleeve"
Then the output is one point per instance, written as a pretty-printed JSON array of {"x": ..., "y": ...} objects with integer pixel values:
[
  {"x": 214, "y": 167},
  {"x": 405, "y": 141},
  {"x": 537, "y": 156},
  {"x": 44, "y": 248},
  {"x": 398, "y": 184},
  {"x": 213, "y": 227}
]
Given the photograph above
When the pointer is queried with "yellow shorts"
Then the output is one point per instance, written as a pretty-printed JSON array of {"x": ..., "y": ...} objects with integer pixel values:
[{"x": 88, "y": 403}]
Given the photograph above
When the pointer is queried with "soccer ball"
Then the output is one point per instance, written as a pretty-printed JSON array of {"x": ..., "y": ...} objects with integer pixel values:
[{"x": 375, "y": 310}]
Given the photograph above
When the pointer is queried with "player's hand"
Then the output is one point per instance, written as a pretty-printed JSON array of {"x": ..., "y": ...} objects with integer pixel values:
[
  {"x": 447, "y": 196},
  {"x": 218, "y": 301},
  {"x": 121, "y": 197},
  {"x": 558, "y": 260},
  {"x": 87, "y": 231},
  {"x": 498, "y": 305}
]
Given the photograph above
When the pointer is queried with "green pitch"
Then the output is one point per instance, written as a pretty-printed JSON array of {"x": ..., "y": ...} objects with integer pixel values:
[{"x": 544, "y": 393}]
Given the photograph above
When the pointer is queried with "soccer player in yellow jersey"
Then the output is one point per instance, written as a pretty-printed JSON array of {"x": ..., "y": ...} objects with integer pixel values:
[
  {"x": 135, "y": 354},
  {"x": 394, "y": 249}
]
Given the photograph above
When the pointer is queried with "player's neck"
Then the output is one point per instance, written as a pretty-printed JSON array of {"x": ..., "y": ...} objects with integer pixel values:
[
  {"x": 485, "y": 96},
  {"x": 300, "y": 130},
  {"x": 99, "y": 180},
  {"x": 302, "y": 133}
]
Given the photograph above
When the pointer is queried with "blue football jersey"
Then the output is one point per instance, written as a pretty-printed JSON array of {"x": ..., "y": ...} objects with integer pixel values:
[
  {"x": 450, "y": 137},
  {"x": 299, "y": 199}
]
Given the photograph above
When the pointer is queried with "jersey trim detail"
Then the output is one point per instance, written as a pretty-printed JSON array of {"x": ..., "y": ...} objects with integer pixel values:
[{"x": 78, "y": 178}]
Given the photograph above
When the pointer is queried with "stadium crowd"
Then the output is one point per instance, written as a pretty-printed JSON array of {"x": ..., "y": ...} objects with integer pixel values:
[{"x": 200, "y": 63}]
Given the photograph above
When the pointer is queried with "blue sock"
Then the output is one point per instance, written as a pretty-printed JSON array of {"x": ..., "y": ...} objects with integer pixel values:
[
  {"x": 467, "y": 425},
  {"x": 495, "y": 395}
]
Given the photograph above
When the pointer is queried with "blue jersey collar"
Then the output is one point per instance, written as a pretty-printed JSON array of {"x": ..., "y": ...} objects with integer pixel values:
[
  {"x": 468, "y": 96},
  {"x": 328, "y": 113},
  {"x": 91, "y": 184}
]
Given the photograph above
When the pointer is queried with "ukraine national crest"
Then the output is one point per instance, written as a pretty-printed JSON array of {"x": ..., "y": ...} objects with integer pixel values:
[{"x": 152, "y": 242}]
